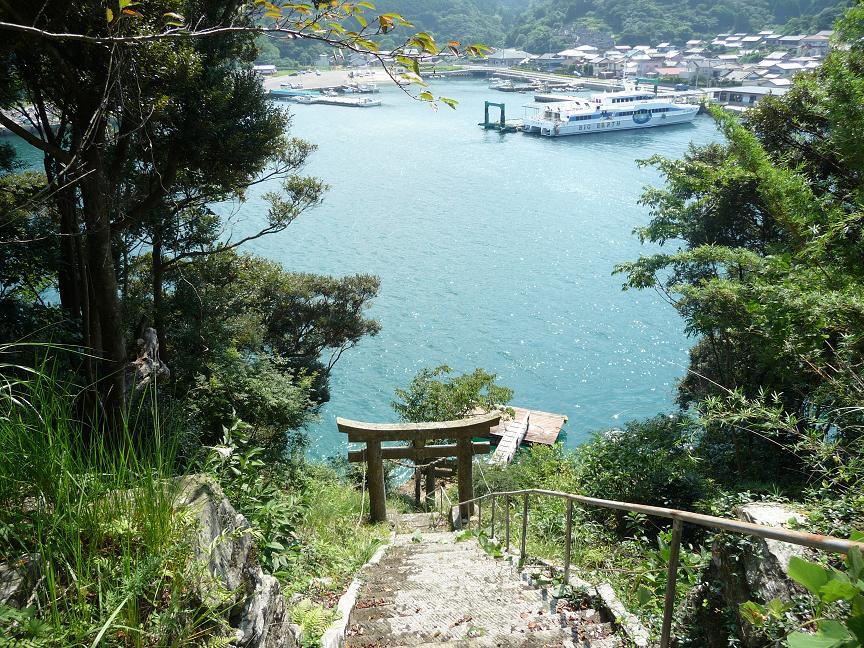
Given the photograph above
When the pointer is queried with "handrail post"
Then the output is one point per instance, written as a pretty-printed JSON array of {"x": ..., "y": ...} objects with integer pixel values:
[
  {"x": 671, "y": 576},
  {"x": 479, "y": 515},
  {"x": 568, "y": 539},
  {"x": 507, "y": 524},
  {"x": 492, "y": 524},
  {"x": 522, "y": 552}
]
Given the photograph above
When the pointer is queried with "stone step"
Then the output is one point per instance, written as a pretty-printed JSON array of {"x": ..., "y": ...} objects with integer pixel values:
[{"x": 430, "y": 590}]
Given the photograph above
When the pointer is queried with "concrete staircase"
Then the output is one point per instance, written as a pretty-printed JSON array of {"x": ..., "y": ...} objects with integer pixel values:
[{"x": 431, "y": 589}]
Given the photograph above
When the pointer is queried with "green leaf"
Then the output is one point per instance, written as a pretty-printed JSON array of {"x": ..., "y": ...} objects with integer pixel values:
[
  {"x": 856, "y": 626},
  {"x": 801, "y": 640},
  {"x": 426, "y": 96},
  {"x": 753, "y": 613},
  {"x": 855, "y": 563},
  {"x": 834, "y": 629},
  {"x": 109, "y": 15},
  {"x": 174, "y": 19},
  {"x": 837, "y": 590},
  {"x": 644, "y": 595},
  {"x": 809, "y": 575}
]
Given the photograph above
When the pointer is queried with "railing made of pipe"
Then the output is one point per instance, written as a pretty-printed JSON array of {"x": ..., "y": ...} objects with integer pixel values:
[{"x": 829, "y": 544}]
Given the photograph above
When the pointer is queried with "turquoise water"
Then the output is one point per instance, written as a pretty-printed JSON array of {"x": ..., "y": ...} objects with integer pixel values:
[{"x": 493, "y": 251}]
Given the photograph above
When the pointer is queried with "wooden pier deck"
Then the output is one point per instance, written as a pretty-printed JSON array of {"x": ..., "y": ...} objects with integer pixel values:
[
  {"x": 526, "y": 427},
  {"x": 513, "y": 435}
]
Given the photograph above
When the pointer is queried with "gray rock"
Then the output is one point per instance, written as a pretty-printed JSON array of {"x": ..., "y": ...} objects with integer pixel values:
[
  {"x": 744, "y": 568},
  {"x": 767, "y": 569},
  {"x": 234, "y": 576},
  {"x": 18, "y": 580}
]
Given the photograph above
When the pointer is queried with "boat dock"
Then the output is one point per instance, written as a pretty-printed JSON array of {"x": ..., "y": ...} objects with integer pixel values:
[
  {"x": 551, "y": 97},
  {"x": 354, "y": 102},
  {"x": 526, "y": 427},
  {"x": 331, "y": 99}
]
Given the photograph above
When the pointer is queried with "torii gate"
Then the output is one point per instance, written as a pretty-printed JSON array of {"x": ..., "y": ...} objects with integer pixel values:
[{"x": 373, "y": 434}]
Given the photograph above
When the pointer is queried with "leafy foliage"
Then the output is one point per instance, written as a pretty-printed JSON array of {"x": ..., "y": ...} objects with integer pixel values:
[
  {"x": 769, "y": 279},
  {"x": 249, "y": 337},
  {"x": 649, "y": 462},
  {"x": 544, "y": 25},
  {"x": 430, "y": 397},
  {"x": 839, "y": 613},
  {"x": 307, "y": 521},
  {"x": 95, "y": 527}
]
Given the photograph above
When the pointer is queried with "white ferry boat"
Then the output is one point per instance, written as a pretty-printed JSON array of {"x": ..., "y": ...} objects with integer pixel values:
[{"x": 610, "y": 111}]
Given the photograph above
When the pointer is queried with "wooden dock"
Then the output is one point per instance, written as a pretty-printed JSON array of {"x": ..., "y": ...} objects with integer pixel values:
[
  {"x": 513, "y": 434},
  {"x": 526, "y": 427}
]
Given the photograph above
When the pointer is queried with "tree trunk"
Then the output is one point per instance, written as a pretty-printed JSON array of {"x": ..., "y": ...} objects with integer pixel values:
[
  {"x": 103, "y": 280},
  {"x": 68, "y": 271},
  {"x": 158, "y": 274}
]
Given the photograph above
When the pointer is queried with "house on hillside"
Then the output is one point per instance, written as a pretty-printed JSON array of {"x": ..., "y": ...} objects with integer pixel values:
[
  {"x": 742, "y": 97},
  {"x": 791, "y": 42},
  {"x": 816, "y": 45},
  {"x": 507, "y": 57},
  {"x": 549, "y": 61},
  {"x": 608, "y": 67}
]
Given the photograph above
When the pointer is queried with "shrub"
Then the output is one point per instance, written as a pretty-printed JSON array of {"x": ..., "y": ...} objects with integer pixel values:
[{"x": 649, "y": 462}]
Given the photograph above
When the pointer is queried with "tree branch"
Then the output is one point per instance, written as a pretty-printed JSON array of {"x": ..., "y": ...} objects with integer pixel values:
[{"x": 36, "y": 142}]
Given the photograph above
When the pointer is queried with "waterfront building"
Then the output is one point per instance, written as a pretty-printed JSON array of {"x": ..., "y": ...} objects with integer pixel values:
[{"x": 742, "y": 97}]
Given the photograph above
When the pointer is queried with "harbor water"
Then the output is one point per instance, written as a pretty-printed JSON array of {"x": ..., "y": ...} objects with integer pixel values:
[{"x": 494, "y": 251}]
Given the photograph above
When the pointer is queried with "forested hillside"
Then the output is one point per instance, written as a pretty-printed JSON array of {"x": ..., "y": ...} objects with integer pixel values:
[
  {"x": 486, "y": 21},
  {"x": 545, "y": 24},
  {"x": 548, "y": 25}
]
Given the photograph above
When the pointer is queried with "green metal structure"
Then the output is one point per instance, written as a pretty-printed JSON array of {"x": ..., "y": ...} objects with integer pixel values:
[{"x": 501, "y": 125}]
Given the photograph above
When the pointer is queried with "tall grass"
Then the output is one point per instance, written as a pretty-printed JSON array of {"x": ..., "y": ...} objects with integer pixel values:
[{"x": 97, "y": 519}]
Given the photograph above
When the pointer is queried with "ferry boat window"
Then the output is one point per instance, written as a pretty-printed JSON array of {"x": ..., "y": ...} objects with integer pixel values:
[{"x": 752, "y": 99}]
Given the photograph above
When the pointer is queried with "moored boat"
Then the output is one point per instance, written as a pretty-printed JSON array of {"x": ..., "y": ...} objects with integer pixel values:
[{"x": 625, "y": 110}]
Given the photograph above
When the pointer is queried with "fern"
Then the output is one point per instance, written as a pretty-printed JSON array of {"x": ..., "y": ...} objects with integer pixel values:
[{"x": 313, "y": 620}]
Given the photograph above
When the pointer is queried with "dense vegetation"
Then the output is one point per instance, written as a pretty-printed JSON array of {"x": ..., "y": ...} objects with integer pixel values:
[
  {"x": 551, "y": 25},
  {"x": 546, "y": 25},
  {"x": 123, "y": 235},
  {"x": 146, "y": 345},
  {"x": 765, "y": 231}
]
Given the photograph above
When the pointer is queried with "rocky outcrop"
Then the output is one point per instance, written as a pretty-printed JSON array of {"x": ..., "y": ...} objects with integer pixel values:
[
  {"x": 743, "y": 568},
  {"x": 234, "y": 577},
  {"x": 18, "y": 581}
]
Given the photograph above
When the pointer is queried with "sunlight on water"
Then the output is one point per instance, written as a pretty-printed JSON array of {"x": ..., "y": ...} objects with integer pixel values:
[{"x": 494, "y": 251}]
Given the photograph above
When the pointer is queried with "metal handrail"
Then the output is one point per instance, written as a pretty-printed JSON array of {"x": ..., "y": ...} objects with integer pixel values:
[{"x": 829, "y": 544}]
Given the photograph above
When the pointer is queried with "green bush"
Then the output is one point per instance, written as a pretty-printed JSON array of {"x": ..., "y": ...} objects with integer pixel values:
[{"x": 648, "y": 462}]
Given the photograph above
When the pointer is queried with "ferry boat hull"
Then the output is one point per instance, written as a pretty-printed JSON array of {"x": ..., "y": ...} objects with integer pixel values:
[
  {"x": 627, "y": 110},
  {"x": 606, "y": 122}
]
